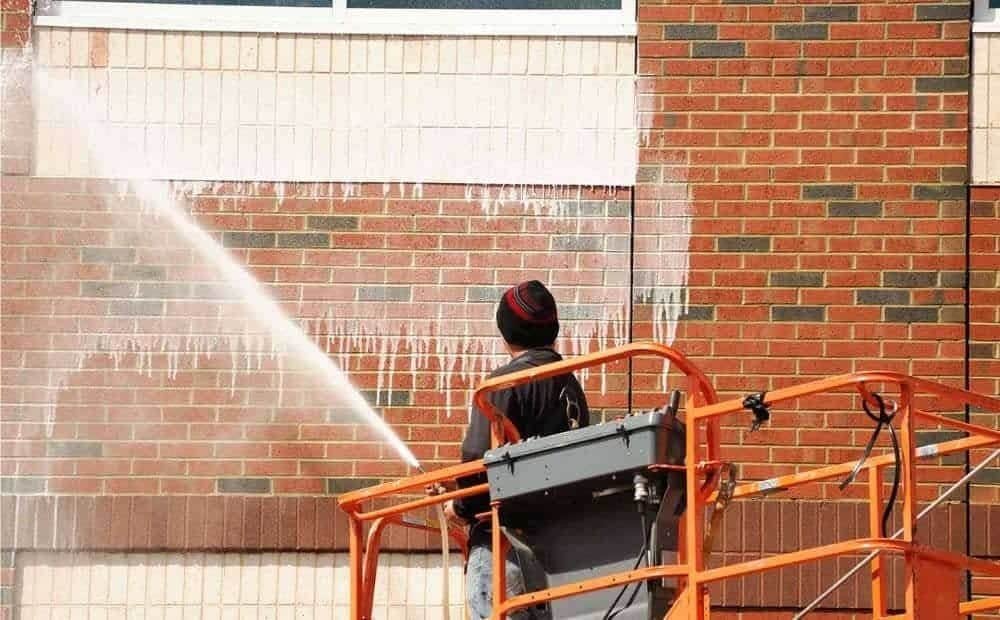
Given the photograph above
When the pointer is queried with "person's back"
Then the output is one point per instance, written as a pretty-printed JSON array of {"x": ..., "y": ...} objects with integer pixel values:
[{"x": 528, "y": 321}]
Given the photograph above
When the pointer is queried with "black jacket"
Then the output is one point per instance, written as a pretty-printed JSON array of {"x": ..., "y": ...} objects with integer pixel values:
[{"x": 538, "y": 408}]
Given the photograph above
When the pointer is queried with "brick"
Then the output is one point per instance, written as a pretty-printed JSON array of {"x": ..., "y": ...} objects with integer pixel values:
[
  {"x": 164, "y": 290},
  {"x": 243, "y": 485},
  {"x": 491, "y": 294},
  {"x": 303, "y": 240},
  {"x": 384, "y": 293},
  {"x": 107, "y": 255},
  {"x": 691, "y": 31},
  {"x": 576, "y": 312},
  {"x": 942, "y": 84},
  {"x": 953, "y": 279},
  {"x": 796, "y": 278},
  {"x": 333, "y": 222},
  {"x": 719, "y": 50},
  {"x": 22, "y": 486},
  {"x": 744, "y": 244},
  {"x": 854, "y": 209},
  {"x": 398, "y": 398},
  {"x": 943, "y": 12},
  {"x": 338, "y": 486},
  {"x": 129, "y": 307},
  {"x": 799, "y": 32},
  {"x": 939, "y": 192},
  {"x": 983, "y": 351},
  {"x": 910, "y": 279},
  {"x": 831, "y": 13},
  {"x": 107, "y": 289},
  {"x": 911, "y": 315},
  {"x": 882, "y": 297},
  {"x": 139, "y": 272},
  {"x": 572, "y": 243},
  {"x": 73, "y": 448},
  {"x": 248, "y": 240},
  {"x": 815, "y": 192},
  {"x": 698, "y": 313},
  {"x": 798, "y": 313}
]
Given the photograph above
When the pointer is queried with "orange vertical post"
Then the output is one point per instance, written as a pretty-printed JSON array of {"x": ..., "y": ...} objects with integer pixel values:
[
  {"x": 693, "y": 518},
  {"x": 878, "y": 567},
  {"x": 937, "y": 591},
  {"x": 499, "y": 564},
  {"x": 907, "y": 449},
  {"x": 354, "y": 545}
]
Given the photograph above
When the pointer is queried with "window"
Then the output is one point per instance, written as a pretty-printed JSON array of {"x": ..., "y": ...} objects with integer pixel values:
[
  {"x": 430, "y": 17},
  {"x": 986, "y": 16}
]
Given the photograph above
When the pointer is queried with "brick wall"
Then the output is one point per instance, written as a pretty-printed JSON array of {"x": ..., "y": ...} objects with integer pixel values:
[{"x": 799, "y": 212}]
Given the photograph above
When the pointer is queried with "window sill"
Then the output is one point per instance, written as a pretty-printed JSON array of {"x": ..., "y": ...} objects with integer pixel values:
[{"x": 305, "y": 20}]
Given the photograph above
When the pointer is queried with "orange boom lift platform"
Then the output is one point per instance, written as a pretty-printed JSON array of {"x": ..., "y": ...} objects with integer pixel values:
[{"x": 932, "y": 576}]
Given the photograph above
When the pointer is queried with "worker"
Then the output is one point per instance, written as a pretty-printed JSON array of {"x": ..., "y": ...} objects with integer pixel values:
[{"x": 528, "y": 321}]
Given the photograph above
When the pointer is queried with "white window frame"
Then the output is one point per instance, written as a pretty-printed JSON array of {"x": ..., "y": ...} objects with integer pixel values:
[
  {"x": 985, "y": 19},
  {"x": 338, "y": 19}
]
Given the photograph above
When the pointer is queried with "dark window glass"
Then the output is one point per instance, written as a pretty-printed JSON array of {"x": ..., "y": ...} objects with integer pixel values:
[{"x": 520, "y": 5}]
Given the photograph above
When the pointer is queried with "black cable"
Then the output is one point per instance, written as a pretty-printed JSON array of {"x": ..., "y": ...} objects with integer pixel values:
[
  {"x": 612, "y": 612},
  {"x": 883, "y": 418}
]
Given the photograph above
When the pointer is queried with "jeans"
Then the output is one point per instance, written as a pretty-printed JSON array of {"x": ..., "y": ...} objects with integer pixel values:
[{"x": 479, "y": 584}]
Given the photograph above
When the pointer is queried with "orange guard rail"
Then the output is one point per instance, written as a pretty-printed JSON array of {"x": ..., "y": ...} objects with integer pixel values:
[{"x": 703, "y": 414}]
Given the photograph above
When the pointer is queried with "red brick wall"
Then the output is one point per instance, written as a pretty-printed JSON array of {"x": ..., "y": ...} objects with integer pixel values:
[{"x": 803, "y": 174}]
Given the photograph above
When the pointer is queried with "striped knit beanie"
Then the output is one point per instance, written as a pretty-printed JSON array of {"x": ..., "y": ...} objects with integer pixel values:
[{"x": 527, "y": 317}]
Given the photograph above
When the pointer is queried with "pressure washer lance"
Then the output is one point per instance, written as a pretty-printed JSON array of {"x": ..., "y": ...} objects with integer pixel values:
[
  {"x": 871, "y": 556},
  {"x": 445, "y": 554}
]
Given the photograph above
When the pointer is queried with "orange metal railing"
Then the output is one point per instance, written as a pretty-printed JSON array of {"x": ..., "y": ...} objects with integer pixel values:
[{"x": 703, "y": 414}]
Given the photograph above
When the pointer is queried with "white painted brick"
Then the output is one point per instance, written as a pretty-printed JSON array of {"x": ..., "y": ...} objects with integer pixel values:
[
  {"x": 393, "y": 54},
  {"x": 286, "y": 561},
  {"x": 340, "y": 142},
  {"x": 625, "y": 104},
  {"x": 117, "y": 49},
  {"x": 230, "y": 98},
  {"x": 117, "y": 95},
  {"x": 250, "y": 573},
  {"x": 248, "y": 97},
  {"x": 135, "y": 46},
  {"x": 980, "y": 53},
  {"x": 173, "y": 93},
  {"x": 231, "y": 561},
  {"x": 484, "y": 55},
  {"x": 230, "y": 51},
  {"x": 340, "y": 55},
  {"x": 572, "y": 51},
  {"x": 155, "y": 52},
  {"x": 285, "y": 52},
  {"x": 79, "y": 48},
  {"x": 429, "y": 55},
  {"x": 267, "y": 51},
  {"x": 340, "y": 101},
  {"x": 448, "y": 55},
  {"x": 321, "y": 54},
  {"x": 193, "y": 96},
  {"x": 626, "y": 57},
  {"x": 994, "y": 53},
  {"x": 376, "y": 54},
  {"x": 211, "y": 96},
  {"x": 212, "y": 578},
  {"x": 80, "y": 613},
  {"x": 135, "y": 102},
  {"x": 118, "y": 563},
  {"x": 156, "y": 583},
  {"x": 980, "y": 100},
  {"x": 554, "y": 56},
  {"x": 607, "y": 57},
  {"x": 321, "y": 100},
  {"x": 174, "y": 591},
  {"x": 173, "y": 50},
  {"x": 501, "y": 55},
  {"x": 321, "y": 170},
  {"x": 341, "y": 578},
  {"x": 993, "y": 156},
  {"x": 43, "y": 46},
  {"x": 303, "y": 99},
  {"x": 358, "y": 141},
  {"x": 98, "y": 581},
  {"x": 519, "y": 55},
  {"x": 211, "y": 50},
  {"x": 994, "y": 101},
  {"x": 286, "y": 613},
  {"x": 980, "y": 156},
  {"x": 411, "y": 55},
  {"x": 59, "y": 51},
  {"x": 358, "y": 54},
  {"x": 569, "y": 101},
  {"x": 304, "y": 52},
  {"x": 305, "y": 593},
  {"x": 590, "y": 56},
  {"x": 517, "y": 102},
  {"x": 248, "y": 51},
  {"x": 536, "y": 56},
  {"x": 192, "y": 42},
  {"x": 155, "y": 95},
  {"x": 155, "y": 141},
  {"x": 265, "y": 168},
  {"x": 357, "y": 87},
  {"x": 466, "y": 54},
  {"x": 209, "y": 161},
  {"x": 375, "y": 95},
  {"x": 324, "y": 561},
  {"x": 554, "y": 101}
]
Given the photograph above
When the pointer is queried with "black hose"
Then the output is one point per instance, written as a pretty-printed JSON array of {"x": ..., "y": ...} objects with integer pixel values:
[
  {"x": 884, "y": 418},
  {"x": 612, "y": 612}
]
